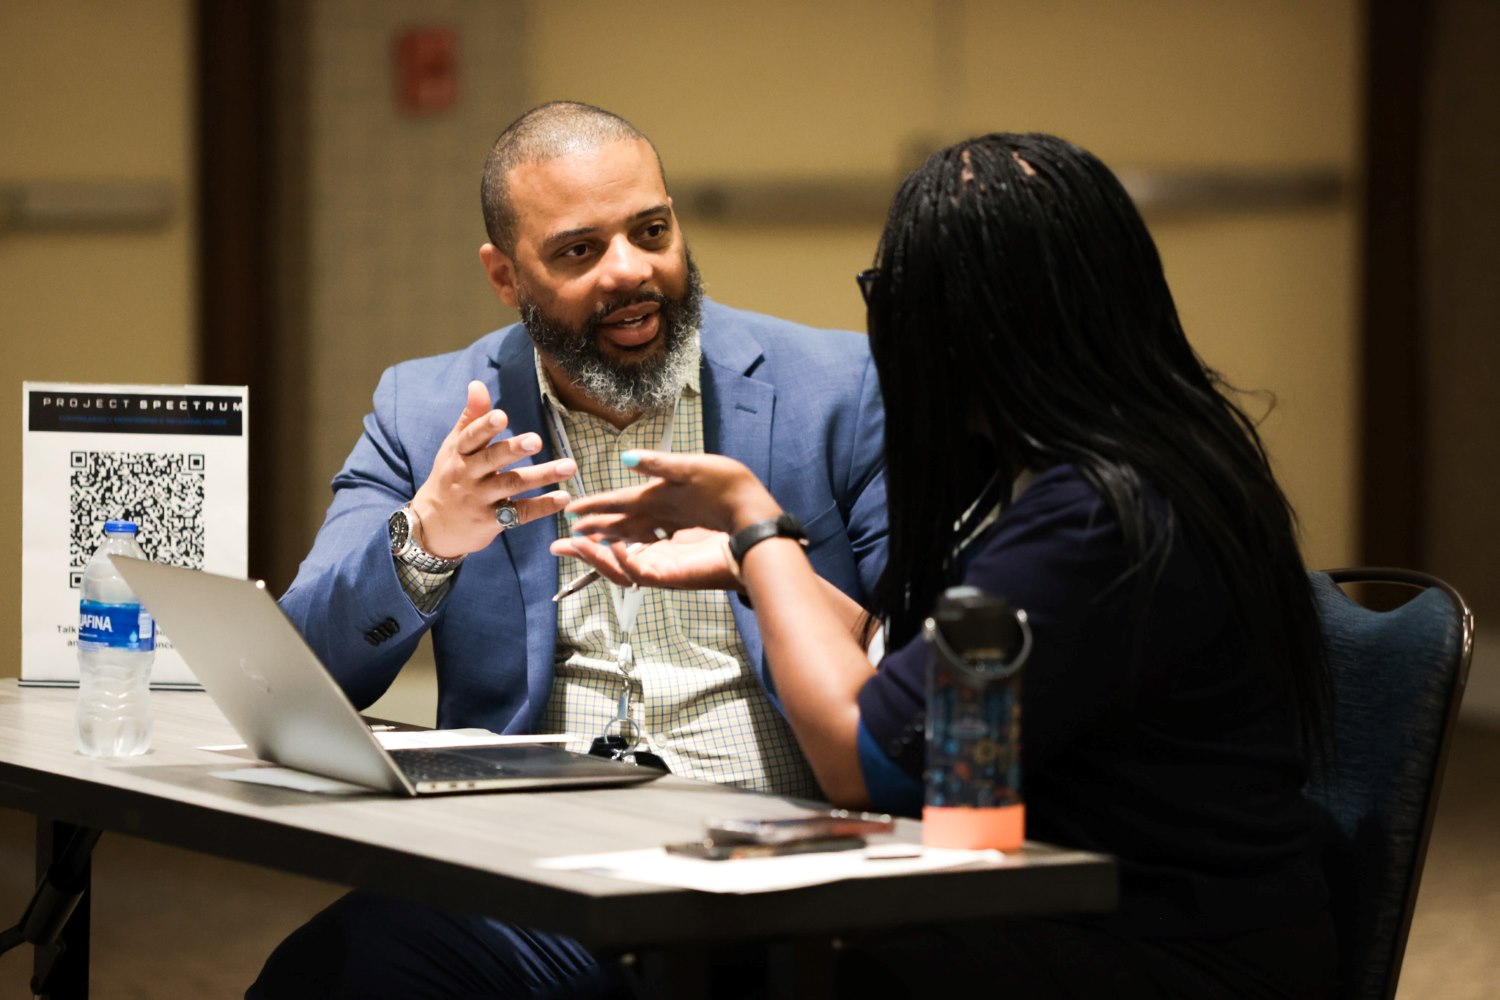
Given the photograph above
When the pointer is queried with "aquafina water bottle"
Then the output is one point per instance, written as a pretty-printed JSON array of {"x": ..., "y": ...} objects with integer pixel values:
[{"x": 116, "y": 646}]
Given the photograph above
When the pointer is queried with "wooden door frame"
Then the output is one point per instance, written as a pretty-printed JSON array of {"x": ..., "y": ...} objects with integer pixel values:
[
  {"x": 238, "y": 320},
  {"x": 1392, "y": 425}
]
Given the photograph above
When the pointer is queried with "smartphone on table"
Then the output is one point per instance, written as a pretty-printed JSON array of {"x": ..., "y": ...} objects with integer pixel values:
[{"x": 831, "y": 830}]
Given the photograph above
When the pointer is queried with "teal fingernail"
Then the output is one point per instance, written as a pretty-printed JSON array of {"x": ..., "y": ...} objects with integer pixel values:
[{"x": 631, "y": 458}]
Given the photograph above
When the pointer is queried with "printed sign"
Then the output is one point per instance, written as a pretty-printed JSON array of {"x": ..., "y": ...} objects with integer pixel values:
[{"x": 173, "y": 459}]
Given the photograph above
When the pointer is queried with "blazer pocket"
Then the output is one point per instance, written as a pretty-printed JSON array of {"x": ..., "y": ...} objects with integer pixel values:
[
  {"x": 829, "y": 552},
  {"x": 824, "y": 526}
]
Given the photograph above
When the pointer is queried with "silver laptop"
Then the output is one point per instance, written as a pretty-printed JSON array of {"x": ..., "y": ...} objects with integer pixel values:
[{"x": 287, "y": 708}]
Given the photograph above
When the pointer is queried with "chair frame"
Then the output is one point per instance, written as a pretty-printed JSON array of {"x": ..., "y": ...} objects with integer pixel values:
[{"x": 1420, "y": 581}]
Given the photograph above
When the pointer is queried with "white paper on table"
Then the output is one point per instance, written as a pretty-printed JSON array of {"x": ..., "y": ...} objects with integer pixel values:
[{"x": 655, "y": 866}]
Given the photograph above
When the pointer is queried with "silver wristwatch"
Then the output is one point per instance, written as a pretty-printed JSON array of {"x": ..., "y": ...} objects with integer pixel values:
[{"x": 405, "y": 547}]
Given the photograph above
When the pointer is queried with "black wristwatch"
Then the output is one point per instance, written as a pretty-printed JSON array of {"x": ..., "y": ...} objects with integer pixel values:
[
  {"x": 785, "y": 526},
  {"x": 403, "y": 526}
]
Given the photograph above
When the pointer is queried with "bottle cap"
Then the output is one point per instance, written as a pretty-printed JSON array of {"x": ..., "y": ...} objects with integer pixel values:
[
  {"x": 974, "y": 622},
  {"x": 120, "y": 527}
]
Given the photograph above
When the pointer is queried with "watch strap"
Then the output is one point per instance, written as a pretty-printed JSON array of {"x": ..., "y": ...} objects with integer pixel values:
[
  {"x": 784, "y": 526},
  {"x": 412, "y": 554}
]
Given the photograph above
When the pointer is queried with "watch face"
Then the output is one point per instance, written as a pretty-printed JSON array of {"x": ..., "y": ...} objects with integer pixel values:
[{"x": 400, "y": 530}]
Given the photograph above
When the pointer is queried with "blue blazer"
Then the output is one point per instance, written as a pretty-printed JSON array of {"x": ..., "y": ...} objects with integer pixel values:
[{"x": 799, "y": 406}]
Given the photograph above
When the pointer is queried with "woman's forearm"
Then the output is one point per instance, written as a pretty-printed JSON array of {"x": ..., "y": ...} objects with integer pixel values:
[
  {"x": 808, "y": 629},
  {"x": 815, "y": 659}
]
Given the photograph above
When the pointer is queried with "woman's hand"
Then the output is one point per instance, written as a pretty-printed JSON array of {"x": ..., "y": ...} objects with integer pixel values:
[
  {"x": 807, "y": 626},
  {"x": 685, "y": 491},
  {"x": 692, "y": 559}
]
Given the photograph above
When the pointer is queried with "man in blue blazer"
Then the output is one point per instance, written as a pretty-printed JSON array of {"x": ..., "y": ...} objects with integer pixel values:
[
  {"x": 799, "y": 406},
  {"x": 429, "y": 529}
]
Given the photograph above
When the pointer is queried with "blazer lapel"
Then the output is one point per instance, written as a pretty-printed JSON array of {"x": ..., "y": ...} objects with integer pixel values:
[
  {"x": 737, "y": 408},
  {"x": 535, "y": 567},
  {"x": 737, "y": 414}
]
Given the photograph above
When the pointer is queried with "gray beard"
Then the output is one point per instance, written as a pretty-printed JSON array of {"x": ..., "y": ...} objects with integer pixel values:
[{"x": 623, "y": 386}]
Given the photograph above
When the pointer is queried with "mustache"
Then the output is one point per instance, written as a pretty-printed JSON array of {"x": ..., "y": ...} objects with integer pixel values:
[{"x": 635, "y": 299}]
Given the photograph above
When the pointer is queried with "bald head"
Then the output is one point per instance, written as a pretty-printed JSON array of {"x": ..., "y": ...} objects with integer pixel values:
[{"x": 546, "y": 132}]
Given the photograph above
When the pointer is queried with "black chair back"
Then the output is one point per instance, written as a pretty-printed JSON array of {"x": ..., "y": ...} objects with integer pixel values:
[{"x": 1398, "y": 677}]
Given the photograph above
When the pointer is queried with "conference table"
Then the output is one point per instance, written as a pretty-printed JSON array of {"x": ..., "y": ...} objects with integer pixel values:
[{"x": 478, "y": 852}]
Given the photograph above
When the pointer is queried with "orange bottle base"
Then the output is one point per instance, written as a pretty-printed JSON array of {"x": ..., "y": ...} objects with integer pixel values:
[{"x": 1002, "y": 828}]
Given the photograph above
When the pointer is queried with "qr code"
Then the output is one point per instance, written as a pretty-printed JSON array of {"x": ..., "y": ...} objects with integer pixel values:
[{"x": 162, "y": 493}]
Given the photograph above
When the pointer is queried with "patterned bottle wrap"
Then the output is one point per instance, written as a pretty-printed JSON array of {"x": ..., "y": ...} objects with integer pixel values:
[
  {"x": 978, "y": 645},
  {"x": 973, "y": 739}
]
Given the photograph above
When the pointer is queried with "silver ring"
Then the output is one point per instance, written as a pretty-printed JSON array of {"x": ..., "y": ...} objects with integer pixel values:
[
  {"x": 506, "y": 515},
  {"x": 661, "y": 535}
]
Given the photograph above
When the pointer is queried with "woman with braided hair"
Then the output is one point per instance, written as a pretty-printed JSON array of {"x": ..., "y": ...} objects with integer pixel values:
[{"x": 1051, "y": 437}]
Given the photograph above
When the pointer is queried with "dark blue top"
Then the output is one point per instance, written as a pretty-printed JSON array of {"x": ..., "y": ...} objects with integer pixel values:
[{"x": 1177, "y": 757}]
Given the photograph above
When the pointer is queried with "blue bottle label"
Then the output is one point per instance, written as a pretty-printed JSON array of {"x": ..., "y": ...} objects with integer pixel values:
[
  {"x": 973, "y": 739},
  {"x": 115, "y": 626}
]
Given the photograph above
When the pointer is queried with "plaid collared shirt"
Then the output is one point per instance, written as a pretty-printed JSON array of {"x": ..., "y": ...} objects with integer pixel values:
[{"x": 695, "y": 697}]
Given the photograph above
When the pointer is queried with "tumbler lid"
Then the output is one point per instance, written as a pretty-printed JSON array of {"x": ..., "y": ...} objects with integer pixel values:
[{"x": 976, "y": 623}]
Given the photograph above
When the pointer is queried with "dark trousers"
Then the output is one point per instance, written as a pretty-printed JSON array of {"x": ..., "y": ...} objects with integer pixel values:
[{"x": 366, "y": 947}]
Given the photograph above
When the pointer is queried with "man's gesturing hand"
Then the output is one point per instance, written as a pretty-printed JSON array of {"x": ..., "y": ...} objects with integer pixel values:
[{"x": 472, "y": 474}]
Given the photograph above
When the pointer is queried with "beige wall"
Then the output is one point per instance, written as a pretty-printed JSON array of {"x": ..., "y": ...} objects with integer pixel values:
[
  {"x": 90, "y": 91},
  {"x": 845, "y": 87},
  {"x": 392, "y": 226}
]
